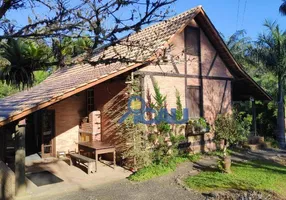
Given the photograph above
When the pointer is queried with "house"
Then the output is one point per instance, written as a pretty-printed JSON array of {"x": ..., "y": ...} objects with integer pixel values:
[{"x": 58, "y": 113}]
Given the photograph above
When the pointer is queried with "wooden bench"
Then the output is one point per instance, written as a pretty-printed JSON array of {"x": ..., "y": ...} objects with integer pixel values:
[{"x": 90, "y": 163}]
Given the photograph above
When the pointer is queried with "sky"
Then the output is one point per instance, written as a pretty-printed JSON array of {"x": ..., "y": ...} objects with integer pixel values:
[
  {"x": 231, "y": 15},
  {"x": 227, "y": 15}
]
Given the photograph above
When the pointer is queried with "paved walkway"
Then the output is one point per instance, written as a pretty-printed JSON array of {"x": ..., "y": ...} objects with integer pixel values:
[
  {"x": 161, "y": 188},
  {"x": 56, "y": 178}
]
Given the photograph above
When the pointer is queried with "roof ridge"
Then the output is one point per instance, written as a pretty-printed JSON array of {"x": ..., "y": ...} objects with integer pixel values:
[
  {"x": 171, "y": 18},
  {"x": 99, "y": 49}
]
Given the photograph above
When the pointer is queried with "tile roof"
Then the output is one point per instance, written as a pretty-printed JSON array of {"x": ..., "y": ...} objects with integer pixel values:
[{"x": 70, "y": 78}]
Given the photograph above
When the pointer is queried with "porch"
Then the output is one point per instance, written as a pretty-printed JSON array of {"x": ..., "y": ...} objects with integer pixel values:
[
  {"x": 46, "y": 176},
  {"x": 30, "y": 147}
]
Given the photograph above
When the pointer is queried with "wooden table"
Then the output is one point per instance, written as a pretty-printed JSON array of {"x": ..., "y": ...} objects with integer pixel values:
[{"x": 98, "y": 148}]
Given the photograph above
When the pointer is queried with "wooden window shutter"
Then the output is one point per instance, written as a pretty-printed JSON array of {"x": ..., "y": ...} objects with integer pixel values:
[
  {"x": 193, "y": 101},
  {"x": 192, "y": 40}
]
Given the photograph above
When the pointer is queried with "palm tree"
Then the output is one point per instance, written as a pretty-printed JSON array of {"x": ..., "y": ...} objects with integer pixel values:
[
  {"x": 271, "y": 52},
  {"x": 20, "y": 59},
  {"x": 282, "y": 8},
  {"x": 239, "y": 46}
]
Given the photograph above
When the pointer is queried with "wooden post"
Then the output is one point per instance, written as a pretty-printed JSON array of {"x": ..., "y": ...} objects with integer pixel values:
[{"x": 20, "y": 154}]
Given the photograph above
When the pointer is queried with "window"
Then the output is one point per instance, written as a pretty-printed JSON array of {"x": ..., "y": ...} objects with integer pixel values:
[
  {"x": 90, "y": 100},
  {"x": 192, "y": 41},
  {"x": 193, "y": 101}
]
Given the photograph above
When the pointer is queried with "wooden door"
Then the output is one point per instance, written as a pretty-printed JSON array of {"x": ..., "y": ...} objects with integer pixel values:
[{"x": 48, "y": 133}]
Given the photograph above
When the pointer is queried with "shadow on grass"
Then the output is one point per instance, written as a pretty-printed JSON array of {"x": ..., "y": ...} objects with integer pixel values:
[{"x": 248, "y": 173}]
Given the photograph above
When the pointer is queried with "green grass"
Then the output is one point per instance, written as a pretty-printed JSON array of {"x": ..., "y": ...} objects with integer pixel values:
[
  {"x": 254, "y": 175},
  {"x": 160, "y": 169}
]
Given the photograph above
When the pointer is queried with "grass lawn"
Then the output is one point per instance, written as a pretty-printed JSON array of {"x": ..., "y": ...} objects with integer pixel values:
[
  {"x": 160, "y": 169},
  {"x": 254, "y": 175}
]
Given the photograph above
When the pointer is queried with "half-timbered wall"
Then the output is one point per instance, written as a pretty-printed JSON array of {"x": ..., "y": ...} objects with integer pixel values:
[{"x": 182, "y": 71}]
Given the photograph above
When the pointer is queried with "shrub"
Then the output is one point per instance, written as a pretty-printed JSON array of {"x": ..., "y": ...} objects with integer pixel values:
[
  {"x": 197, "y": 126},
  {"x": 231, "y": 129}
]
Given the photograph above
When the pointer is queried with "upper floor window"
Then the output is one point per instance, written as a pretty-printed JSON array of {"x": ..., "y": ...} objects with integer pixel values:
[
  {"x": 192, "y": 41},
  {"x": 90, "y": 100}
]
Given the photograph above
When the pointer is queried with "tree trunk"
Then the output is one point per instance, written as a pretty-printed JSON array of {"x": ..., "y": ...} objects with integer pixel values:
[
  {"x": 225, "y": 148},
  {"x": 281, "y": 116},
  {"x": 227, "y": 164},
  {"x": 226, "y": 158}
]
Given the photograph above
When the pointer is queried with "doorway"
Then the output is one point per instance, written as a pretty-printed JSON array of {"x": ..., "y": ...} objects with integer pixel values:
[
  {"x": 48, "y": 133},
  {"x": 40, "y": 134}
]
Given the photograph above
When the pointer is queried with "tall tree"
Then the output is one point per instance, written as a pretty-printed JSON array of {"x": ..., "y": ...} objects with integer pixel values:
[
  {"x": 239, "y": 46},
  {"x": 271, "y": 52}
]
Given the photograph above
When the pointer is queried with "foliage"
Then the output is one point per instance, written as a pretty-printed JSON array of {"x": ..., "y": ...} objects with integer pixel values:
[
  {"x": 178, "y": 128},
  {"x": 197, "y": 126},
  {"x": 40, "y": 76},
  {"x": 179, "y": 108},
  {"x": 244, "y": 50},
  {"x": 162, "y": 168},
  {"x": 6, "y": 90},
  {"x": 67, "y": 48},
  {"x": 251, "y": 175},
  {"x": 231, "y": 129},
  {"x": 218, "y": 153},
  {"x": 159, "y": 135},
  {"x": 273, "y": 142},
  {"x": 163, "y": 128},
  {"x": 240, "y": 47},
  {"x": 22, "y": 58},
  {"x": 101, "y": 21},
  {"x": 160, "y": 103},
  {"x": 271, "y": 53},
  {"x": 137, "y": 148},
  {"x": 160, "y": 99},
  {"x": 282, "y": 8}
]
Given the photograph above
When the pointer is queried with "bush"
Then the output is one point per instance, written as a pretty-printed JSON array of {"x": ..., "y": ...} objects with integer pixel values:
[
  {"x": 232, "y": 129},
  {"x": 197, "y": 126},
  {"x": 273, "y": 142}
]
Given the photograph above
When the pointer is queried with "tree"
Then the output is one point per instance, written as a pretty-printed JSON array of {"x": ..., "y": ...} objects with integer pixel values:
[
  {"x": 71, "y": 29},
  {"x": 271, "y": 52},
  {"x": 242, "y": 48},
  {"x": 239, "y": 45},
  {"x": 103, "y": 21},
  {"x": 282, "y": 8},
  {"x": 232, "y": 129},
  {"x": 133, "y": 135},
  {"x": 20, "y": 59}
]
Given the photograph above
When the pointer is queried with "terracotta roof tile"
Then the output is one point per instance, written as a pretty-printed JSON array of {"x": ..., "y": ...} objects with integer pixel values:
[{"x": 65, "y": 79}]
